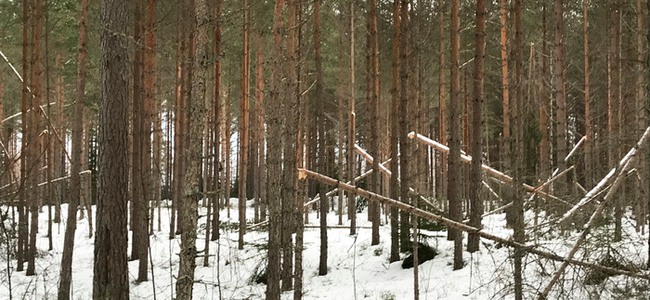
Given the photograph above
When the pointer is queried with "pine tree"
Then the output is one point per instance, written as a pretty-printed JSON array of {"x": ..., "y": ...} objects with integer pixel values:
[
  {"x": 110, "y": 275},
  {"x": 476, "y": 203},
  {"x": 75, "y": 166}
]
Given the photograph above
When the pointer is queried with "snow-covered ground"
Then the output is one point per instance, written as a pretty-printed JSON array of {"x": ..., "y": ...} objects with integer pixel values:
[{"x": 356, "y": 269}]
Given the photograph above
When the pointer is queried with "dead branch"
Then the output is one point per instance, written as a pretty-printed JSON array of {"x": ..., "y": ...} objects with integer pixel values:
[
  {"x": 328, "y": 194},
  {"x": 489, "y": 170},
  {"x": 386, "y": 171},
  {"x": 628, "y": 160},
  {"x": 543, "y": 185},
  {"x": 613, "y": 174},
  {"x": 303, "y": 174},
  {"x": 568, "y": 156}
]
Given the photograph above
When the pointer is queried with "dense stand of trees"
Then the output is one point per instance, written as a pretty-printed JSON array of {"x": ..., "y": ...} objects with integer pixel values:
[{"x": 182, "y": 90}]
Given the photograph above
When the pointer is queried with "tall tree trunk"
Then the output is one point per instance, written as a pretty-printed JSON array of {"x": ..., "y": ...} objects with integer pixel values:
[
  {"x": 148, "y": 102},
  {"x": 256, "y": 135},
  {"x": 25, "y": 99},
  {"x": 614, "y": 105},
  {"x": 110, "y": 274},
  {"x": 454, "y": 176},
  {"x": 183, "y": 71},
  {"x": 191, "y": 191},
  {"x": 544, "y": 107},
  {"x": 300, "y": 161},
  {"x": 218, "y": 108},
  {"x": 318, "y": 95},
  {"x": 641, "y": 95},
  {"x": 341, "y": 111},
  {"x": 138, "y": 213},
  {"x": 261, "y": 129},
  {"x": 351, "y": 154},
  {"x": 59, "y": 150},
  {"x": 373, "y": 119},
  {"x": 274, "y": 156},
  {"x": 442, "y": 115},
  {"x": 394, "y": 134},
  {"x": 505, "y": 87},
  {"x": 517, "y": 147},
  {"x": 35, "y": 141},
  {"x": 49, "y": 163},
  {"x": 647, "y": 123},
  {"x": 289, "y": 133},
  {"x": 227, "y": 119},
  {"x": 588, "y": 155},
  {"x": 243, "y": 124},
  {"x": 559, "y": 93},
  {"x": 475, "y": 181},
  {"x": 156, "y": 174},
  {"x": 75, "y": 166},
  {"x": 404, "y": 159}
]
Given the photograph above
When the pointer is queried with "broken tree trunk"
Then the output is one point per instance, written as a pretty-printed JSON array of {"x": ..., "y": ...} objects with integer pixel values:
[
  {"x": 329, "y": 194},
  {"x": 489, "y": 170},
  {"x": 303, "y": 173},
  {"x": 543, "y": 185},
  {"x": 621, "y": 174},
  {"x": 613, "y": 174}
]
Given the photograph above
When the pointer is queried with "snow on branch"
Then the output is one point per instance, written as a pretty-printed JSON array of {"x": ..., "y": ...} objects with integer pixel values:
[{"x": 304, "y": 173}]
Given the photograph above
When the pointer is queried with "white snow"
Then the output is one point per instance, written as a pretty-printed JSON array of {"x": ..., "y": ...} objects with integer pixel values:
[{"x": 354, "y": 265}]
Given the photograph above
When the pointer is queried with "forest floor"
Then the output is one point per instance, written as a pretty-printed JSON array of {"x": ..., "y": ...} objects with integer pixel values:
[{"x": 356, "y": 269}]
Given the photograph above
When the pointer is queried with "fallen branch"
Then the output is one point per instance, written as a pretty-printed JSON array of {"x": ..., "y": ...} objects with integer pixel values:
[
  {"x": 582, "y": 140},
  {"x": 382, "y": 168},
  {"x": 303, "y": 174},
  {"x": 489, "y": 170},
  {"x": 583, "y": 237},
  {"x": 543, "y": 185},
  {"x": 317, "y": 198},
  {"x": 614, "y": 173},
  {"x": 370, "y": 159},
  {"x": 489, "y": 188}
]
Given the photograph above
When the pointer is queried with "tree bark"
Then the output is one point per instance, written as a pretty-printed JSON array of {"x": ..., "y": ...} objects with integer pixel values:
[
  {"x": 615, "y": 105},
  {"x": 289, "y": 176},
  {"x": 36, "y": 139},
  {"x": 517, "y": 148},
  {"x": 148, "y": 103},
  {"x": 454, "y": 177},
  {"x": 395, "y": 134},
  {"x": 22, "y": 195},
  {"x": 218, "y": 120},
  {"x": 476, "y": 203},
  {"x": 138, "y": 213},
  {"x": 274, "y": 156},
  {"x": 559, "y": 93},
  {"x": 179, "y": 120},
  {"x": 588, "y": 156},
  {"x": 442, "y": 115},
  {"x": 110, "y": 276},
  {"x": 193, "y": 156},
  {"x": 59, "y": 150},
  {"x": 373, "y": 119},
  {"x": 243, "y": 124},
  {"x": 404, "y": 159},
  {"x": 75, "y": 166},
  {"x": 351, "y": 156},
  {"x": 322, "y": 161},
  {"x": 505, "y": 86}
]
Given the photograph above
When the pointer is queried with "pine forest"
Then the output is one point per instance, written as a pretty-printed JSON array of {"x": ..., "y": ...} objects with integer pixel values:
[{"x": 324, "y": 149}]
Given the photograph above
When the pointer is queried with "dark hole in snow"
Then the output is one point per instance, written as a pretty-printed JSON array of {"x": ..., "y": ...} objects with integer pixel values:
[{"x": 425, "y": 253}]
